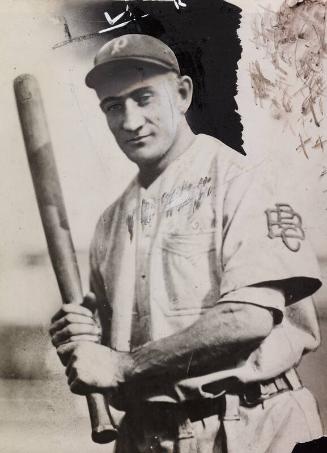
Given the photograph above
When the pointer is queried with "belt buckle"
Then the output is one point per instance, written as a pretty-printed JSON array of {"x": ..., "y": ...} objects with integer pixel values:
[{"x": 259, "y": 396}]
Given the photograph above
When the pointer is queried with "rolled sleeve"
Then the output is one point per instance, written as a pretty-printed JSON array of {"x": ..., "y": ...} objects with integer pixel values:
[{"x": 270, "y": 298}]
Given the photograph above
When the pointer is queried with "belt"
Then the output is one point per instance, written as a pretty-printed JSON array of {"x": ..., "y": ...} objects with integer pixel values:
[
  {"x": 257, "y": 392},
  {"x": 249, "y": 395}
]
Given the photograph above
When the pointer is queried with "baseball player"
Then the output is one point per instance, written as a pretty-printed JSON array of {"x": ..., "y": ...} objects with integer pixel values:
[{"x": 201, "y": 277}]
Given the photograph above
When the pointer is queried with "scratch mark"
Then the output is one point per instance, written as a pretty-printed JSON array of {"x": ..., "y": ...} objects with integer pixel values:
[
  {"x": 314, "y": 114},
  {"x": 302, "y": 146},
  {"x": 76, "y": 39},
  {"x": 323, "y": 173},
  {"x": 319, "y": 144},
  {"x": 259, "y": 82},
  {"x": 294, "y": 39},
  {"x": 130, "y": 226},
  {"x": 189, "y": 365},
  {"x": 67, "y": 31},
  {"x": 148, "y": 211}
]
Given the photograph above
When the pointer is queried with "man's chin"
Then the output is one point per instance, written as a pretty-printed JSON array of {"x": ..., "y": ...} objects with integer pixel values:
[{"x": 140, "y": 155}]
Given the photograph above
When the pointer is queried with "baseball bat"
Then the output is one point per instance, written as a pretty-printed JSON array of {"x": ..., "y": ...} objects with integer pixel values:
[{"x": 55, "y": 223}]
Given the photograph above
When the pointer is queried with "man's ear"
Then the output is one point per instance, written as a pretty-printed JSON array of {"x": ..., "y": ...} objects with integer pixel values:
[{"x": 185, "y": 91}]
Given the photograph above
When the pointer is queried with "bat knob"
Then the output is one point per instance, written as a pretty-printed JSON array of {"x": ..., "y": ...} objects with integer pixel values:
[
  {"x": 104, "y": 434},
  {"x": 104, "y": 429}
]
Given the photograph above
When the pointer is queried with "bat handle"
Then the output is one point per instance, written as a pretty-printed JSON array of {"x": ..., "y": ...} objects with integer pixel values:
[{"x": 104, "y": 429}]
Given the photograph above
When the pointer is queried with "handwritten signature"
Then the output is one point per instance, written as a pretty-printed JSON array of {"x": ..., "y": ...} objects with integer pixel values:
[
  {"x": 121, "y": 20},
  {"x": 127, "y": 14}
]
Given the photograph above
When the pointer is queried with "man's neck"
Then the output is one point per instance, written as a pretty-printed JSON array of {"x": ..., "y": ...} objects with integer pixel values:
[{"x": 184, "y": 138}]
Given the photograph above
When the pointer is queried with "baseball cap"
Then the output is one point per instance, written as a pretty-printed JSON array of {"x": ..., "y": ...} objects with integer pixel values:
[{"x": 131, "y": 47}]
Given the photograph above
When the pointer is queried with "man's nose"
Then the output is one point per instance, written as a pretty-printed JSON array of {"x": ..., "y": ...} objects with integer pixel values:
[{"x": 133, "y": 117}]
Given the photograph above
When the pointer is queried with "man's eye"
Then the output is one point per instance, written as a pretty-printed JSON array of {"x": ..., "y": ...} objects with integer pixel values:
[
  {"x": 112, "y": 108},
  {"x": 144, "y": 99}
]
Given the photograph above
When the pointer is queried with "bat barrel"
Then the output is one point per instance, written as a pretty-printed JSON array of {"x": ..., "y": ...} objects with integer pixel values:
[
  {"x": 55, "y": 222},
  {"x": 47, "y": 187}
]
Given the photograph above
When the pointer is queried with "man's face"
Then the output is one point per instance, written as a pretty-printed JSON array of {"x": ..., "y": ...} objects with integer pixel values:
[{"x": 141, "y": 105}]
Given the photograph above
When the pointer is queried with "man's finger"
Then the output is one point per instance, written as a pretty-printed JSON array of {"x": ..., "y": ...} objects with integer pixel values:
[
  {"x": 77, "y": 329},
  {"x": 71, "y": 372},
  {"x": 66, "y": 348},
  {"x": 73, "y": 333},
  {"x": 70, "y": 318},
  {"x": 65, "y": 351},
  {"x": 71, "y": 308},
  {"x": 77, "y": 339}
]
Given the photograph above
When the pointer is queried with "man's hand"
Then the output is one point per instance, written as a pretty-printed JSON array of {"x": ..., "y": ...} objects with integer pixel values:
[
  {"x": 73, "y": 323},
  {"x": 94, "y": 367},
  {"x": 90, "y": 366}
]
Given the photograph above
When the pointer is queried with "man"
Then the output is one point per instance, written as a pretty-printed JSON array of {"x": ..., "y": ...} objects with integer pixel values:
[{"x": 201, "y": 276}]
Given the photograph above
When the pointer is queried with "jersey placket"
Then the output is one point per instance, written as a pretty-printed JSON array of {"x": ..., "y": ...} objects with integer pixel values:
[{"x": 146, "y": 226}]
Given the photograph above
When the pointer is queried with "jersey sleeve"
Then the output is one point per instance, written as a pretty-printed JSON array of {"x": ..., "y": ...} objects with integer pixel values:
[{"x": 265, "y": 244}]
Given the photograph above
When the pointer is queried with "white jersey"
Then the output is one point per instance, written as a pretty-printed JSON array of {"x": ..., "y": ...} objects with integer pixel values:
[{"x": 211, "y": 228}]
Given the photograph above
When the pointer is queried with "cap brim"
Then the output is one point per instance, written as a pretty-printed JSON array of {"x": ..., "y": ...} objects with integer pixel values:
[{"x": 103, "y": 70}]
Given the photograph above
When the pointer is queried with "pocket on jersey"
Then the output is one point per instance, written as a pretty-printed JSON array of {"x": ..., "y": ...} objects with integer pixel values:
[
  {"x": 190, "y": 273},
  {"x": 191, "y": 244}
]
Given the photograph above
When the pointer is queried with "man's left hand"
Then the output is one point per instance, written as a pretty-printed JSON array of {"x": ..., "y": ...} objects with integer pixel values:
[{"x": 93, "y": 367}]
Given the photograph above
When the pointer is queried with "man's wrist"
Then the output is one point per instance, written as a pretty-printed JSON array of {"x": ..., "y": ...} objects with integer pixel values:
[{"x": 125, "y": 366}]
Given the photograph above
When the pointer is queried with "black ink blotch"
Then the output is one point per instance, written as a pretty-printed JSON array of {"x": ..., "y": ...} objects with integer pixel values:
[{"x": 314, "y": 446}]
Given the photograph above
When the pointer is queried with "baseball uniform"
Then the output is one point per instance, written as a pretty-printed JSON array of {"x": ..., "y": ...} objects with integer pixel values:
[{"x": 214, "y": 227}]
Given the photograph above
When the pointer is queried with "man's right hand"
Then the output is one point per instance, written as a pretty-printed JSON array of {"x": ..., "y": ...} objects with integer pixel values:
[{"x": 73, "y": 323}]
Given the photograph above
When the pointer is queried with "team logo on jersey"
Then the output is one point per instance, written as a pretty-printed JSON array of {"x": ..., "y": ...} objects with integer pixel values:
[{"x": 285, "y": 223}]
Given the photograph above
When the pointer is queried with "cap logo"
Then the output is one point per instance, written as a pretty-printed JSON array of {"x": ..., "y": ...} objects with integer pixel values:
[{"x": 118, "y": 45}]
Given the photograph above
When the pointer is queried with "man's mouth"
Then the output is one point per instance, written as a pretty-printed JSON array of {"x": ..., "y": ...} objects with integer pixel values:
[{"x": 138, "y": 138}]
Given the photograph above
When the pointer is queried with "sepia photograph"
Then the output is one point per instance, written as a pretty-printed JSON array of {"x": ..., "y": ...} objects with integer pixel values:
[{"x": 164, "y": 244}]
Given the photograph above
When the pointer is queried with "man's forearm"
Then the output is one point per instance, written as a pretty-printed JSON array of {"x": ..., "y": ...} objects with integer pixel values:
[{"x": 221, "y": 338}]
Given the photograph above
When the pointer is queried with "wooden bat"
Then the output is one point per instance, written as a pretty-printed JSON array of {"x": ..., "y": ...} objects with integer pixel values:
[{"x": 55, "y": 223}]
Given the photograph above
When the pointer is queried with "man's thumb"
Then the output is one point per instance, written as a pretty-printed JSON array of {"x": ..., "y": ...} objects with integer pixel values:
[{"x": 90, "y": 301}]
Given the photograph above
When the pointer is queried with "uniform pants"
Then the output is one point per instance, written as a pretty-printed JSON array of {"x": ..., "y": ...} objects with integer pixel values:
[{"x": 274, "y": 425}]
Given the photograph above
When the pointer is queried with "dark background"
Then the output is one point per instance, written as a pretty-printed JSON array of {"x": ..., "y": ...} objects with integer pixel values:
[{"x": 204, "y": 38}]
